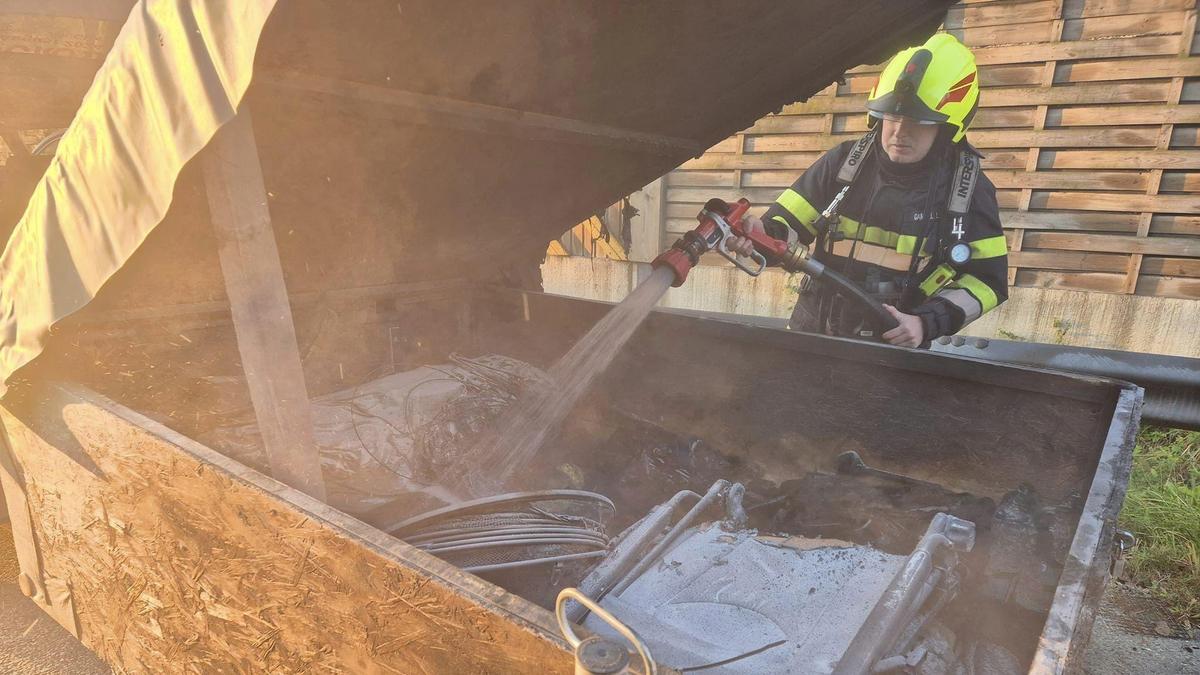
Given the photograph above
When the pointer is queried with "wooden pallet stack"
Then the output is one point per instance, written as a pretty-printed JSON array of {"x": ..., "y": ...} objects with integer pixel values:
[{"x": 1090, "y": 124}]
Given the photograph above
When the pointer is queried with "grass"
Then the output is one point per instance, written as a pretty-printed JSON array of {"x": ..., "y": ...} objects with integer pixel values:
[{"x": 1162, "y": 508}]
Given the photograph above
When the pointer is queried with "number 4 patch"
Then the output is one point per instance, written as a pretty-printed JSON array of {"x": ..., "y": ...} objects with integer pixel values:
[{"x": 958, "y": 227}]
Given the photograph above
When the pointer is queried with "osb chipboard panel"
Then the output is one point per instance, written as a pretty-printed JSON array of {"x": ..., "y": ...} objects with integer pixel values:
[
  {"x": 180, "y": 560},
  {"x": 1088, "y": 121}
]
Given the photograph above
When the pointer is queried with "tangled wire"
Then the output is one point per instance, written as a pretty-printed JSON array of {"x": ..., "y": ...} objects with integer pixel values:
[{"x": 490, "y": 384}]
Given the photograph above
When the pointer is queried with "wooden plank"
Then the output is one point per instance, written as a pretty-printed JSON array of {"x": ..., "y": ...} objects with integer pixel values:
[
  {"x": 185, "y": 561},
  {"x": 1102, "y": 27},
  {"x": 259, "y": 305},
  {"x": 1180, "y": 181},
  {"x": 1168, "y": 287},
  {"x": 1081, "y": 261},
  {"x": 12, "y": 487},
  {"x": 999, "y": 14},
  {"x": 787, "y": 124},
  {"x": 1169, "y": 246},
  {"x": 1082, "y": 281},
  {"x": 1066, "y": 138},
  {"x": 1171, "y": 224},
  {"x": 1105, "y": 201},
  {"x": 1008, "y": 199},
  {"x": 1171, "y": 267},
  {"x": 1130, "y": 92},
  {"x": 477, "y": 117},
  {"x": 1065, "y": 220},
  {"x": 1086, "y": 8},
  {"x": 700, "y": 178},
  {"x": 48, "y": 591},
  {"x": 1120, "y": 159},
  {"x": 1181, "y": 136},
  {"x": 774, "y": 160},
  {"x": 1129, "y": 69},
  {"x": 989, "y": 118},
  {"x": 699, "y": 195},
  {"x": 1080, "y": 116},
  {"x": 1002, "y": 35},
  {"x": 1076, "y": 180}
]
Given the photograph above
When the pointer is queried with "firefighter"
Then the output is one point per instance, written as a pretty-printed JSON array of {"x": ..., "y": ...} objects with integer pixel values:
[{"x": 904, "y": 211}]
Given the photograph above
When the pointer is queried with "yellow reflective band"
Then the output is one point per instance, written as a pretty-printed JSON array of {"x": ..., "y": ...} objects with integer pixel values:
[
  {"x": 798, "y": 206},
  {"x": 905, "y": 243},
  {"x": 937, "y": 279},
  {"x": 982, "y": 292},
  {"x": 870, "y": 234},
  {"x": 992, "y": 247}
]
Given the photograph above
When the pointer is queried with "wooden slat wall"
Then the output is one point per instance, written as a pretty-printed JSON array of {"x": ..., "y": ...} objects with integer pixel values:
[{"x": 1090, "y": 123}]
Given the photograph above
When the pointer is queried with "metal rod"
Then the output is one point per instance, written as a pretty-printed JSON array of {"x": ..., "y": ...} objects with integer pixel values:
[
  {"x": 625, "y": 554},
  {"x": 522, "y": 541},
  {"x": 895, "y": 607},
  {"x": 709, "y": 497},
  {"x": 536, "y": 561}
]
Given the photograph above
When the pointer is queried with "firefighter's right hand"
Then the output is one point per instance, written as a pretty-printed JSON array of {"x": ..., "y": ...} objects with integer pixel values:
[{"x": 742, "y": 245}]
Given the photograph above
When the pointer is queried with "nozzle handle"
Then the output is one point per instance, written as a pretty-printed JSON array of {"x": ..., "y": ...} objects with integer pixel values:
[{"x": 757, "y": 257}]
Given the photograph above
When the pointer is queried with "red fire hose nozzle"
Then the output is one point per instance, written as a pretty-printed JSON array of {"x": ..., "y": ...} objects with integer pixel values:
[{"x": 720, "y": 222}]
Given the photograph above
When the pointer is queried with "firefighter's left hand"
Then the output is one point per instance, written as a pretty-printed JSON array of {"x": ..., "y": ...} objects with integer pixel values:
[{"x": 910, "y": 332}]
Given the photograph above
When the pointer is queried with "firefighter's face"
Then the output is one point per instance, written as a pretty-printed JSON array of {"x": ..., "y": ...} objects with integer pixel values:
[{"x": 906, "y": 140}]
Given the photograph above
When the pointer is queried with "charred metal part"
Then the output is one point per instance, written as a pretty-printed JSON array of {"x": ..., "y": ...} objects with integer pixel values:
[
  {"x": 735, "y": 513},
  {"x": 852, "y": 464},
  {"x": 1020, "y": 565},
  {"x": 899, "y": 602},
  {"x": 865, "y": 509},
  {"x": 707, "y": 500},
  {"x": 514, "y": 530},
  {"x": 739, "y": 602},
  {"x": 626, "y": 553}
]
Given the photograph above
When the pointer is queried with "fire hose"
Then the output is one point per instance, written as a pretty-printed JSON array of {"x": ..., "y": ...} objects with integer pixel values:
[{"x": 720, "y": 222}]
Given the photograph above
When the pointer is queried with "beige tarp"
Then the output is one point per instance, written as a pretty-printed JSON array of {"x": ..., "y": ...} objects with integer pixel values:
[{"x": 177, "y": 72}]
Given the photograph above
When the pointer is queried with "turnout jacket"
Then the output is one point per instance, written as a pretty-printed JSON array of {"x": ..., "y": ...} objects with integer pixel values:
[{"x": 890, "y": 210}]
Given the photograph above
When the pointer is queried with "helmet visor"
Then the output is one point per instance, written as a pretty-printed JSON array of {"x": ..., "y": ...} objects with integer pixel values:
[
  {"x": 894, "y": 117},
  {"x": 905, "y": 105}
]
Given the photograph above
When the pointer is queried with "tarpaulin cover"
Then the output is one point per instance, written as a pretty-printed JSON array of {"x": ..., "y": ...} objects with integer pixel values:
[{"x": 177, "y": 72}]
